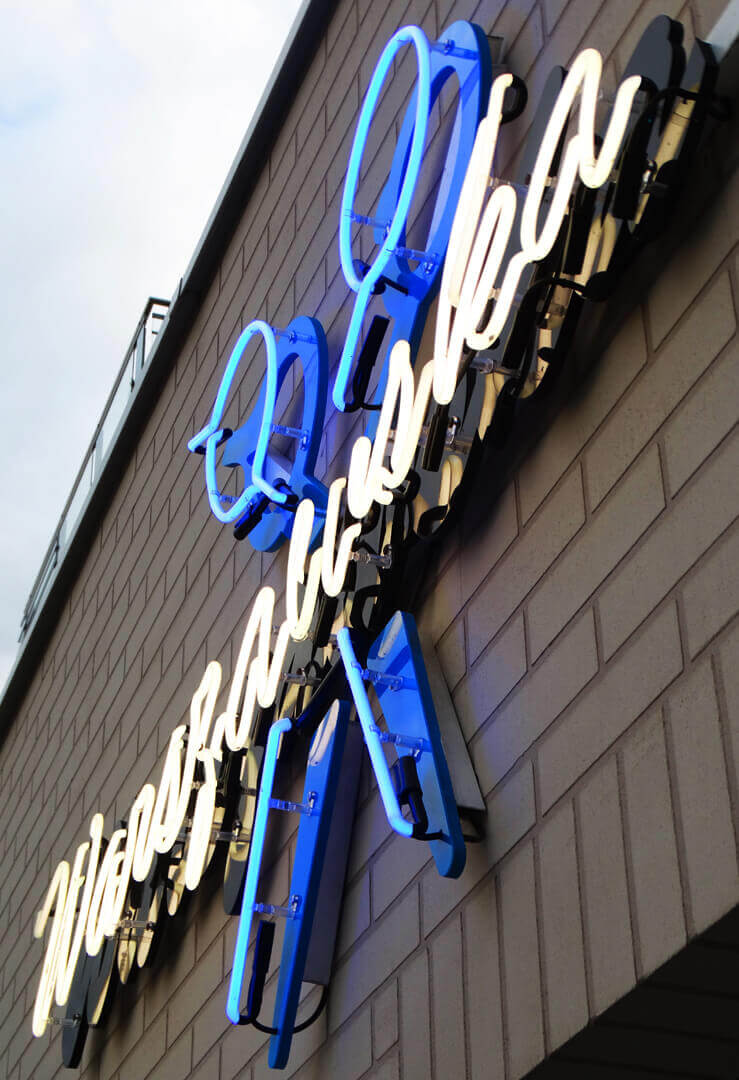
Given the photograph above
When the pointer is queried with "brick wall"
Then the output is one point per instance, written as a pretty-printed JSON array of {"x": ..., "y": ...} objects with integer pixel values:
[{"x": 584, "y": 628}]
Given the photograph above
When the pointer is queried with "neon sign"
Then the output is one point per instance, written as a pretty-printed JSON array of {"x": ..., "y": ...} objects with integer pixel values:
[
  {"x": 461, "y": 51},
  {"x": 274, "y": 485},
  {"x": 563, "y": 243}
]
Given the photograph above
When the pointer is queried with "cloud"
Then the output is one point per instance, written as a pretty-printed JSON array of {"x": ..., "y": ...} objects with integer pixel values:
[{"x": 118, "y": 124}]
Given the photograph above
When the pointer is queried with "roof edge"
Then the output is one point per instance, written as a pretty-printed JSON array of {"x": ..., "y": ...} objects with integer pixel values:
[{"x": 289, "y": 70}]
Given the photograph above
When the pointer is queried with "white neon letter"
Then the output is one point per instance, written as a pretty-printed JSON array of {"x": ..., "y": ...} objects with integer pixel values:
[
  {"x": 449, "y": 337},
  {"x": 299, "y": 620},
  {"x": 333, "y": 571}
]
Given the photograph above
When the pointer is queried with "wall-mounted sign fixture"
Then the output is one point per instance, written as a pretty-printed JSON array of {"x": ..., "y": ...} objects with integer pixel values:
[
  {"x": 510, "y": 265},
  {"x": 273, "y": 485}
]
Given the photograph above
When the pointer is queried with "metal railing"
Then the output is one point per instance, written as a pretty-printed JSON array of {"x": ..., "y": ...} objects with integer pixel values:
[{"x": 116, "y": 407}]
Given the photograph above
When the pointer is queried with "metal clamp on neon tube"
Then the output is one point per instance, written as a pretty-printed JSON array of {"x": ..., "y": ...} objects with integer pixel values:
[
  {"x": 462, "y": 50},
  {"x": 420, "y": 778},
  {"x": 273, "y": 484}
]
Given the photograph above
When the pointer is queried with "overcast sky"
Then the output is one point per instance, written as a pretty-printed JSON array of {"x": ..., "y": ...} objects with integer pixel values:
[{"x": 119, "y": 121}]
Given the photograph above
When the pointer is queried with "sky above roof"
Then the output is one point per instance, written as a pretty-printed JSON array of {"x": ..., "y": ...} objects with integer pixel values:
[{"x": 118, "y": 124}]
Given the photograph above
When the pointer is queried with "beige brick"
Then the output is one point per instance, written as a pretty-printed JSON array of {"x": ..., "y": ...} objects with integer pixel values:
[
  {"x": 645, "y": 13},
  {"x": 609, "y": 534},
  {"x": 355, "y": 914},
  {"x": 552, "y": 11},
  {"x": 729, "y": 674},
  {"x": 507, "y": 21},
  {"x": 649, "y": 813},
  {"x": 14, "y": 1018},
  {"x": 126, "y": 1035},
  {"x": 348, "y": 1054},
  {"x": 510, "y": 813},
  {"x": 661, "y": 386},
  {"x": 442, "y": 603},
  {"x": 209, "y": 1026},
  {"x": 398, "y": 864},
  {"x": 383, "y": 949},
  {"x": 18, "y": 1048},
  {"x": 707, "y": 14},
  {"x": 482, "y": 981},
  {"x": 209, "y": 917},
  {"x": 371, "y": 829},
  {"x": 176, "y": 1063},
  {"x": 692, "y": 522},
  {"x": 495, "y": 673},
  {"x": 451, "y": 653},
  {"x": 562, "y": 44},
  {"x": 389, "y": 1070},
  {"x": 715, "y": 234},
  {"x": 242, "y": 1042},
  {"x": 166, "y": 978},
  {"x": 703, "y": 797},
  {"x": 41, "y": 1061},
  {"x": 528, "y": 44},
  {"x": 608, "y": 940},
  {"x": 520, "y": 949},
  {"x": 415, "y": 1033},
  {"x": 195, "y": 990},
  {"x": 385, "y": 1019},
  {"x": 630, "y": 684},
  {"x": 549, "y": 689},
  {"x": 448, "y": 1039},
  {"x": 519, "y": 570},
  {"x": 31, "y": 1059},
  {"x": 485, "y": 546},
  {"x": 705, "y": 416},
  {"x": 209, "y": 1068},
  {"x": 711, "y": 595},
  {"x": 561, "y": 928}
]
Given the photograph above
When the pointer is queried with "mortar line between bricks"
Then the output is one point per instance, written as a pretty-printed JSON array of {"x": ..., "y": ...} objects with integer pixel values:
[
  {"x": 659, "y": 431},
  {"x": 432, "y": 1013},
  {"x": 547, "y": 29},
  {"x": 520, "y": 536},
  {"x": 591, "y": 373},
  {"x": 734, "y": 284},
  {"x": 590, "y": 510},
  {"x": 677, "y": 817},
  {"x": 682, "y": 628},
  {"x": 615, "y": 745},
  {"x": 653, "y": 527},
  {"x": 529, "y": 750},
  {"x": 528, "y": 665},
  {"x": 673, "y": 591},
  {"x": 583, "y": 909},
  {"x": 659, "y": 442},
  {"x": 724, "y": 729},
  {"x": 495, "y": 875},
  {"x": 628, "y": 863},
  {"x": 465, "y": 994},
  {"x": 538, "y": 909},
  {"x": 512, "y": 45},
  {"x": 723, "y": 267},
  {"x": 487, "y": 879}
]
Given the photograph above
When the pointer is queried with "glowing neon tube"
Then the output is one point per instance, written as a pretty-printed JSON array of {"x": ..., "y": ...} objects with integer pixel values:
[
  {"x": 269, "y": 765},
  {"x": 371, "y": 738},
  {"x": 363, "y": 286},
  {"x": 210, "y": 435}
]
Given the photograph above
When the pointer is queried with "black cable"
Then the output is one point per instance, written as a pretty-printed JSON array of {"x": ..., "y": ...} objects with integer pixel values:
[{"x": 298, "y": 1027}]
